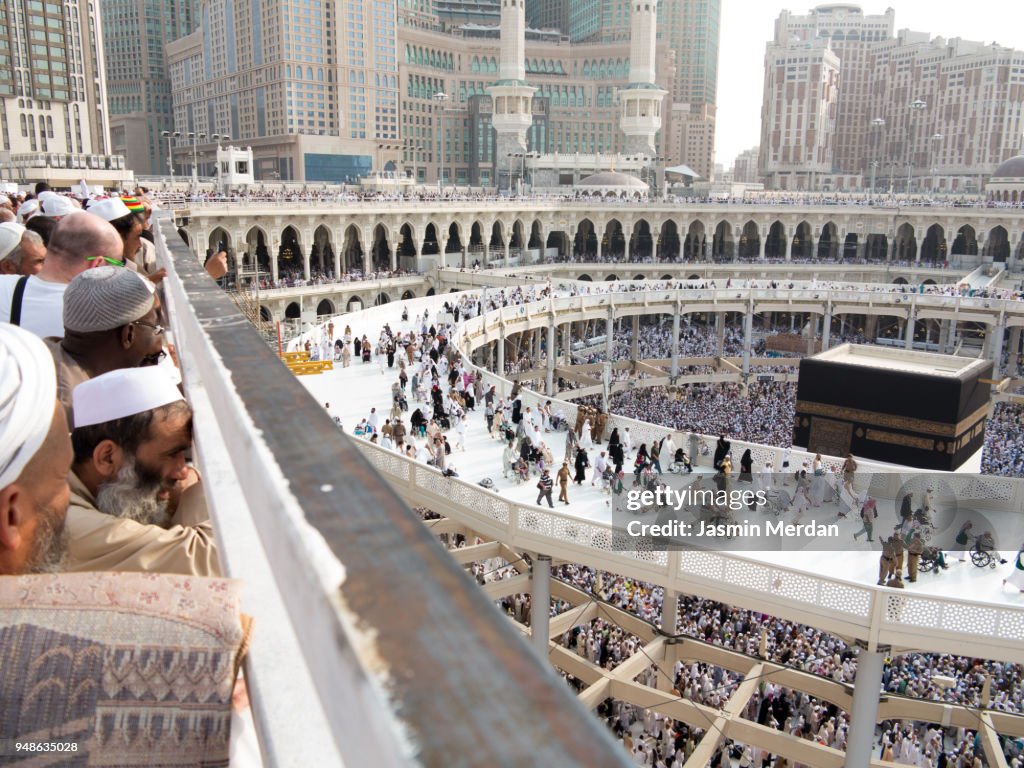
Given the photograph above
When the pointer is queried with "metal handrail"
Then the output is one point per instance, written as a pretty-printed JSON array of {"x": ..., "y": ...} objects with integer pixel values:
[{"x": 392, "y": 655}]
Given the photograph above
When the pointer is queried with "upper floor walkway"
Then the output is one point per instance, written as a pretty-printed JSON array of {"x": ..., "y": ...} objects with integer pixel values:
[{"x": 330, "y": 237}]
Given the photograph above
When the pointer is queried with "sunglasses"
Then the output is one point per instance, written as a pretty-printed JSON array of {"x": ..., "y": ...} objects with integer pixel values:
[
  {"x": 110, "y": 261},
  {"x": 157, "y": 329}
]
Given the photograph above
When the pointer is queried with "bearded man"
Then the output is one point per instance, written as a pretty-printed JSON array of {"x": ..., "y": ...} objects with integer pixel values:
[{"x": 136, "y": 505}]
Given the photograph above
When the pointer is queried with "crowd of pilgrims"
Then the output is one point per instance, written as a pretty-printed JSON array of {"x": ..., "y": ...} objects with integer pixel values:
[
  {"x": 764, "y": 414},
  {"x": 655, "y": 740},
  {"x": 431, "y": 372}
]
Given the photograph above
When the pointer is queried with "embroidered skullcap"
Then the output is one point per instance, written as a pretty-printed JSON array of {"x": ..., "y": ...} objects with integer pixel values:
[
  {"x": 105, "y": 298},
  {"x": 122, "y": 393},
  {"x": 28, "y": 395}
]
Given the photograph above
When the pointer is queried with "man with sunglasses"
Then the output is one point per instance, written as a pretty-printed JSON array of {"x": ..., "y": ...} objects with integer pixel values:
[
  {"x": 111, "y": 321},
  {"x": 79, "y": 242}
]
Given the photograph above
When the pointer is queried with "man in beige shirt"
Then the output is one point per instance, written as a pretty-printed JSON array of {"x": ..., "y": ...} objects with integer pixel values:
[{"x": 135, "y": 503}]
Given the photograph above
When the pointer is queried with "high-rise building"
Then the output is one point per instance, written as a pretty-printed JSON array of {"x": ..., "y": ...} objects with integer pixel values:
[
  {"x": 852, "y": 36},
  {"x": 548, "y": 14},
  {"x": 690, "y": 138},
  {"x": 798, "y": 114},
  {"x": 53, "y": 92},
  {"x": 919, "y": 113},
  {"x": 135, "y": 34},
  {"x": 312, "y": 88},
  {"x": 280, "y": 105},
  {"x": 574, "y": 109},
  {"x": 691, "y": 29},
  {"x": 744, "y": 168},
  {"x": 597, "y": 21}
]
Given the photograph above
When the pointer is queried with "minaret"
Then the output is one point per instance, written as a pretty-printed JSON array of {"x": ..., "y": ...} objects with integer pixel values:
[
  {"x": 512, "y": 97},
  {"x": 640, "y": 101}
]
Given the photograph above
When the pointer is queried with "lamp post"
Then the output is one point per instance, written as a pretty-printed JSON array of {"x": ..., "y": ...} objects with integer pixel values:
[
  {"x": 170, "y": 157},
  {"x": 915, "y": 106},
  {"x": 195, "y": 157},
  {"x": 892, "y": 177},
  {"x": 217, "y": 137},
  {"x": 936, "y": 141},
  {"x": 531, "y": 156},
  {"x": 511, "y": 175},
  {"x": 876, "y": 126},
  {"x": 521, "y": 157},
  {"x": 440, "y": 98}
]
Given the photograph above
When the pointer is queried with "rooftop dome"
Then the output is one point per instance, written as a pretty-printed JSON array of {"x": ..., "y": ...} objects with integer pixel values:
[
  {"x": 612, "y": 179},
  {"x": 1011, "y": 169}
]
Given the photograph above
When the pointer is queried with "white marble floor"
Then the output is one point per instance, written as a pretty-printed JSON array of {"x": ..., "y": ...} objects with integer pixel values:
[{"x": 353, "y": 391}]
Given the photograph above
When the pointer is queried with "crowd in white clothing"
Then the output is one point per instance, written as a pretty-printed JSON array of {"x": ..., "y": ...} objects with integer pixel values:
[{"x": 653, "y": 740}]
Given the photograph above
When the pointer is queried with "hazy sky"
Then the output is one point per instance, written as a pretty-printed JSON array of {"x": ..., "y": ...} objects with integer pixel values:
[{"x": 747, "y": 25}]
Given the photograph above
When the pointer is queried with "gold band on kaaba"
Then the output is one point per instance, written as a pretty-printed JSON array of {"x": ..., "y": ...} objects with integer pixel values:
[{"x": 892, "y": 421}]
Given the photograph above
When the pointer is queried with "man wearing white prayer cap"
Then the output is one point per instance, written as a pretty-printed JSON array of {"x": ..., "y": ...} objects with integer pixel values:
[
  {"x": 35, "y": 455},
  {"x": 27, "y": 210},
  {"x": 10, "y": 249},
  {"x": 111, "y": 321},
  {"x": 22, "y": 252},
  {"x": 78, "y": 243},
  {"x": 135, "y": 504},
  {"x": 56, "y": 206},
  {"x": 128, "y": 225}
]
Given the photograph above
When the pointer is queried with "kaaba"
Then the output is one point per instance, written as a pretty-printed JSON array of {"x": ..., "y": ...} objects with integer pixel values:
[{"x": 899, "y": 406}]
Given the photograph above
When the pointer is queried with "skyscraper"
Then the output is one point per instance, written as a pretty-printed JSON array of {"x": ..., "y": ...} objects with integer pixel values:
[
  {"x": 923, "y": 113},
  {"x": 691, "y": 29},
  {"x": 596, "y": 21},
  {"x": 311, "y": 87},
  {"x": 135, "y": 33},
  {"x": 548, "y": 14},
  {"x": 798, "y": 114},
  {"x": 53, "y": 91}
]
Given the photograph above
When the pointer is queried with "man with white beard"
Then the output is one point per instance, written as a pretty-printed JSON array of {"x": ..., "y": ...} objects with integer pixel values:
[{"x": 135, "y": 504}]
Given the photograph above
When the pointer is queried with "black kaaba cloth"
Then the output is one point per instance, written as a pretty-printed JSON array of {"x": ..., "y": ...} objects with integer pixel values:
[{"x": 917, "y": 409}]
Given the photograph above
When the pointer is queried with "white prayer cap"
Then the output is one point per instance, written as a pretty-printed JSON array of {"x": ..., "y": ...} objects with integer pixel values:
[
  {"x": 10, "y": 237},
  {"x": 122, "y": 393},
  {"x": 28, "y": 396},
  {"x": 52, "y": 204},
  {"x": 28, "y": 209},
  {"x": 109, "y": 208}
]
